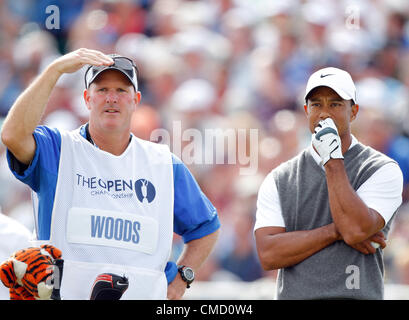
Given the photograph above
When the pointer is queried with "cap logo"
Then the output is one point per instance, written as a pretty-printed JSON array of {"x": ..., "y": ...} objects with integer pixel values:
[{"x": 326, "y": 75}]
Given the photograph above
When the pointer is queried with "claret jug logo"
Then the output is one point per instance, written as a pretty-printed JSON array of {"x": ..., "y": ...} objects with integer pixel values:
[
  {"x": 118, "y": 188},
  {"x": 145, "y": 191}
]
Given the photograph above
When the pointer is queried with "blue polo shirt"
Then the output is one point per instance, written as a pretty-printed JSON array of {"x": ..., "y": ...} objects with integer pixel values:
[{"x": 194, "y": 215}]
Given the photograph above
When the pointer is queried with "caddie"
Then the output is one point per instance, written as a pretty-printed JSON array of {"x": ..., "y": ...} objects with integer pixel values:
[{"x": 107, "y": 199}]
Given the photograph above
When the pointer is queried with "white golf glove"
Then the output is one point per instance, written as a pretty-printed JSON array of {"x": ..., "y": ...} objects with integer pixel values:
[{"x": 327, "y": 141}]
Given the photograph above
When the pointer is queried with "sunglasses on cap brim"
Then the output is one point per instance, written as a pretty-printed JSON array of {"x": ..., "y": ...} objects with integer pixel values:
[{"x": 122, "y": 63}]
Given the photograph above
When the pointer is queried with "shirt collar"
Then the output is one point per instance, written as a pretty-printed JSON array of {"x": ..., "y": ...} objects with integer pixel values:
[{"x": 84, "y": 132}]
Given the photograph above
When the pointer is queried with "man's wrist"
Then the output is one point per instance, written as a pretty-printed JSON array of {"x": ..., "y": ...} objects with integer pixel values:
[
  {"x": 187, "y": 274},
  {"x": 334, "y": 234},
  {"x": 52, "y": 72},
  {"x": 334, "y": 164}
]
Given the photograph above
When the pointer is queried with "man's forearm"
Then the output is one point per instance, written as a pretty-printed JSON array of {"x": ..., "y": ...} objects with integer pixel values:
[
  {"x": 285, "y": 249},
  {"x": 193, "y": 256},
  {"x": 197, "y": 251},
  {"x": 353, "y": 219},
  {"x": 26, "y": 112},
  {"x": 28, "y": 109}
]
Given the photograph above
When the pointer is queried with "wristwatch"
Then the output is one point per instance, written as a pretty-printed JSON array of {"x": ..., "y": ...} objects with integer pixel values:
[{"x": 187, "y": 274}]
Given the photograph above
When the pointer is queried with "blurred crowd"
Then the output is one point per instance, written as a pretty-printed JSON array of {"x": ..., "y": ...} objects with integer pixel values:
[{"x": 222, "y": 64}]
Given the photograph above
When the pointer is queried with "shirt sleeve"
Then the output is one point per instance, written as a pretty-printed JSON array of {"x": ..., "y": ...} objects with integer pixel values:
[
  {"x": 41, "y": 175},
  {"x": 383, "y": 190},
  {"x": 46, "y": 158},
  {"x": 269, "y": 213},
  {"x": 194, "y": 215}
]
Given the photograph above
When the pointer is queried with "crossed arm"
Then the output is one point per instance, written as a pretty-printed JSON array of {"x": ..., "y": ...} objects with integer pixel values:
[
  {"x": 278, "y": 248},
  {"x": 353, "y": 222}
]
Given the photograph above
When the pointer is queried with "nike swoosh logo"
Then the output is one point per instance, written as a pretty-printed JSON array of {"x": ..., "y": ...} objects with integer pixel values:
[
  {"x": 334, "y": 149},
  {"x": 326, "y": 75}
]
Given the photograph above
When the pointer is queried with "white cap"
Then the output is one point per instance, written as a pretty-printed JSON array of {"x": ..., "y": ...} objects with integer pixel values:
[{"x": 338, "y": 80}]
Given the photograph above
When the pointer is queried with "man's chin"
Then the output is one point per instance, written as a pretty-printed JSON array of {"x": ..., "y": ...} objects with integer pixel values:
[{"x": 111, "y": 125}]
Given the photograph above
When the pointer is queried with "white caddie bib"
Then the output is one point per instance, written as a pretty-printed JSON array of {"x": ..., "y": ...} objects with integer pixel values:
[{"x": 113, "y": 214}]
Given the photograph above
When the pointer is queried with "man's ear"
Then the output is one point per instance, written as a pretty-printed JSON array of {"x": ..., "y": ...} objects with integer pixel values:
[
  {"x": 138, "y": 97},
  {"x": 87, "y": 98},
  {"x": 306, "y": 109},
  {"x": 354, "y": 111}
]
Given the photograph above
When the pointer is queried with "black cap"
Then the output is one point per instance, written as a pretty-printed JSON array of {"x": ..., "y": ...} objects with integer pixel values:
[{"x": 121, "y": 63}]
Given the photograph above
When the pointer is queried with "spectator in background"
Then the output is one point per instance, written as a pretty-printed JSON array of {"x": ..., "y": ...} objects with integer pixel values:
[{"x": 242, "y": 260}]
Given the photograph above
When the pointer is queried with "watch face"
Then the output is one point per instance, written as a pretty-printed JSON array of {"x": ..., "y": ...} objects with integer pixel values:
[{"x": 189, "y": 274}]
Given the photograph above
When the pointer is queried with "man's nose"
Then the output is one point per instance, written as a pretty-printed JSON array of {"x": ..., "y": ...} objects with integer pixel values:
[
  {"x": 324, "y": 113},
  {"x": 111, "y": 97}
]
